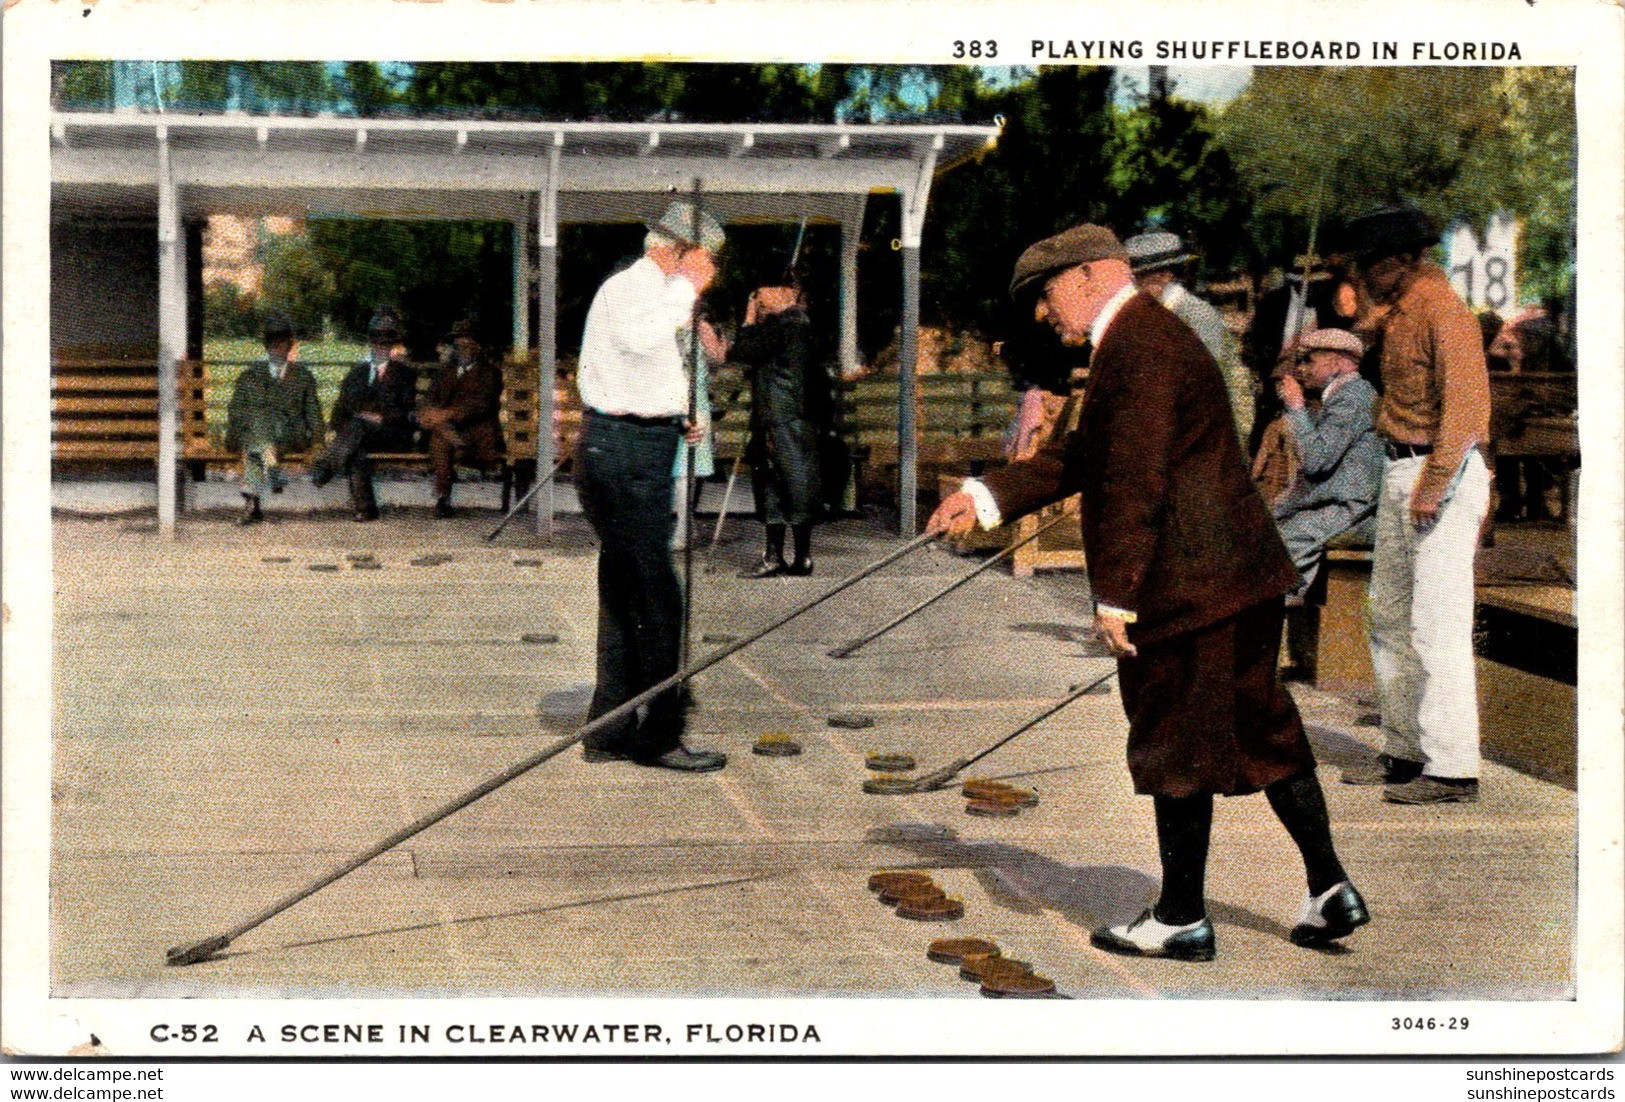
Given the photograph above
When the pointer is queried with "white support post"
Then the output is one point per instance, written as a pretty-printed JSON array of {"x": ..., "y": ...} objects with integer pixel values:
[
  {"x": 171, "y": 335},
  {"x": 908, "y": 441},
  {"x": 547, "y": 311},
  {"x": 521, "y": 285},
  {"x": 851, "y": 236}
]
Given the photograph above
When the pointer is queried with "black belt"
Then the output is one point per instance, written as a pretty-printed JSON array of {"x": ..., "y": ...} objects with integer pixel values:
[
  {"x": 670, "y": 421},
  {"x": 1396, "y": 450}
]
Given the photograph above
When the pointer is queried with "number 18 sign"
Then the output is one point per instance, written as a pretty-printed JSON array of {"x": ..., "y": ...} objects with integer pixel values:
[{"x": 1485, "y": 274}]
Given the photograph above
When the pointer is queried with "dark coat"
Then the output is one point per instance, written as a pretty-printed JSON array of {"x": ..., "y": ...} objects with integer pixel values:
[
  {"x": 394, "y": 398},
  {"x": 475, "y": 398},
  {"x": 792, "y": 405},
  {"x": 283, "y": 413},
  {"x": 1173, "y": 528}
]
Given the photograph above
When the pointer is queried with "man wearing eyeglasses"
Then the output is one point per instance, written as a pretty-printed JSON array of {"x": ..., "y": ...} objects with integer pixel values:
[
  {"x": 635, "y": 390},
  {"x": 1188, "y": 576},
  {"x": 1339, "y": 454}
]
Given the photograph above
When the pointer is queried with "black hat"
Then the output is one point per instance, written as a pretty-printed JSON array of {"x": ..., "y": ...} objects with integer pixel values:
[
  {"x": 385, "y": 325},
  {"x": 278, "y": 327},
  {"x": 1388, "y": 230},
  {"x": 463, "y": 327}
]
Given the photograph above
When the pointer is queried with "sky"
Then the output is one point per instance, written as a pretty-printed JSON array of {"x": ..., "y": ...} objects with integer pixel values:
[{"x": 1214, "y": 85}]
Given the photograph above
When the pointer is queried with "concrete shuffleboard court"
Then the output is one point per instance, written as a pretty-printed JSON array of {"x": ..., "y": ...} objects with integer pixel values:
[{"x": 229, "y": 724}]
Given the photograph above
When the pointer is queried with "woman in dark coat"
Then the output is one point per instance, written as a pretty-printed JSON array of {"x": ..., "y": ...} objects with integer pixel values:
[{"x": 791, "y": 405}]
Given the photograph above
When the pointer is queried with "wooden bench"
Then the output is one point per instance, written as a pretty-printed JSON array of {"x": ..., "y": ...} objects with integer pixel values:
[{"x": 104, "y": 409}]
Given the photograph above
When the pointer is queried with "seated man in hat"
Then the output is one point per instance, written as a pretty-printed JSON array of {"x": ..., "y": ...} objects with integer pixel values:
[
  {"x": 1155, "y": 259},
  {"x": 462, "y": 412},
  {"x": 273, "y": 411},
  {"x": 1339, "y": 455},
  {"x": 375, "y": 411}
]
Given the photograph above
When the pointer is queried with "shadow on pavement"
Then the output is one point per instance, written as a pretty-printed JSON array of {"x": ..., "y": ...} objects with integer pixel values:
[{"x": 1088, "y": 896}]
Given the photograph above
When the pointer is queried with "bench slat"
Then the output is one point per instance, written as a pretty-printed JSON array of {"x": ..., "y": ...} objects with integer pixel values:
[
  {"x": 104, "y": 449},
  {"x": 106, "y": 405},
  {"x": 105, "y": 426},
  {"x": 105, "y": 382}
]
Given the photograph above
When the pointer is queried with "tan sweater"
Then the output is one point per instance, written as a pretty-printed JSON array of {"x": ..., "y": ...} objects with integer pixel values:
[{"x": 1436, "y": 388}]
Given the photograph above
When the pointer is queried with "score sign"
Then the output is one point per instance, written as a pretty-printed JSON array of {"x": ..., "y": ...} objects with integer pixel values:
[{"x": 1484, "y": 273}]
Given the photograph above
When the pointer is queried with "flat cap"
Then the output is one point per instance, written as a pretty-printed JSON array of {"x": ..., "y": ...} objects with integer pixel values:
[
  {"x": 678, "y": 223},
  {"x": 1152, "y": 252},
  {"x": 1332, "y": 340},
  {"x": 1388, "y": 231},
  {"x": 1079, "y": 245}
]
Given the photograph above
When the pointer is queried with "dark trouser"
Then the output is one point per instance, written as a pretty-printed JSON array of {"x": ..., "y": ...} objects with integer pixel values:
[
  {"x": 784, "y": 474},
  {"x": 1207, "y": 713},
  {"x": 480, "y": 444},
  {"x": 625, "y": 489},
  {"x": 347, "y": 454}
]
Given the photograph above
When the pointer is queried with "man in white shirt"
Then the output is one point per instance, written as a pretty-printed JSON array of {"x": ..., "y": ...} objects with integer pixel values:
[{"x": 635, "y": 393}]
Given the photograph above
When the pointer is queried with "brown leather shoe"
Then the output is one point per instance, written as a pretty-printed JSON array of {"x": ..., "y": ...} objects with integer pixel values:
[{"x": 1385, "y": 770}]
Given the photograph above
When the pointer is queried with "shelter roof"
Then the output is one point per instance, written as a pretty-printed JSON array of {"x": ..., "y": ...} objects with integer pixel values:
[{"x": 107, "y": 163}]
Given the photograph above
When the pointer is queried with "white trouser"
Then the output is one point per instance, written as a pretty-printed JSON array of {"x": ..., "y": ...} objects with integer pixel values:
[{"x": 1421, "y": 620}]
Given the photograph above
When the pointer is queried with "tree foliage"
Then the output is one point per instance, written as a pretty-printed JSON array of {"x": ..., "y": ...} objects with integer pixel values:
[
  {"x": 1299, "y": 149},
  {"x": 1318, "y": 145}
]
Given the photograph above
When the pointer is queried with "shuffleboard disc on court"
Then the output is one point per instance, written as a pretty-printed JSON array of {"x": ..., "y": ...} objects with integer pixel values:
[
  {"x": 1013, "y": 985},
  {"x": 890, "y": 762},
  {"x": 886, "y": 877},
  {"x": 931, "y": 910},
  {"x": 979, "y": 966},
  {"x": 851, "y": 721},
  {"x": 955, "y": 950},
  {"x": 889, "y": 784},
  {"x": 776, "y": 746}
]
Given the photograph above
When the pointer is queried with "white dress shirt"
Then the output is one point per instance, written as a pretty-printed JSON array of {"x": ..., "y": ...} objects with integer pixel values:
[{"x": 630, "y": 361}]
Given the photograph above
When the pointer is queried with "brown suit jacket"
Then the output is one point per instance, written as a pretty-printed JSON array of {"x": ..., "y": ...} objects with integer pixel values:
[
  {"x": 476, "y": 398},
  {"x": 1174, "y": 529}
]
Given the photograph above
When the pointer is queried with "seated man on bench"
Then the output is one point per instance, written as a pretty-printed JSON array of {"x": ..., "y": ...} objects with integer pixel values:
[
  {"x": 273, "y": 411},
  {"x": 462, "y": 413},
  {"x": 376, "y": 411},
  {"x": 1340, "y": 456}
]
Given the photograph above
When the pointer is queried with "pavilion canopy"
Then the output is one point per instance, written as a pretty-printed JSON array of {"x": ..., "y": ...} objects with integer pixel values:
[{"x": 541, "y": 174}]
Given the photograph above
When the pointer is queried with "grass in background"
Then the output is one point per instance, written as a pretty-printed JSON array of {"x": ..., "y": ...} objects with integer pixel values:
[{"x": 227, "y": 356}]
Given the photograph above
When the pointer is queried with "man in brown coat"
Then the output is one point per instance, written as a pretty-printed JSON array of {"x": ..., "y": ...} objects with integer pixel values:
[
  {"x": 461, "y": 413},
  {"x": 1188, "y": 575}
]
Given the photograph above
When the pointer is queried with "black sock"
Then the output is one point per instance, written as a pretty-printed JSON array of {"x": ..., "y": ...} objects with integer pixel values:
[
  {"x": 803, "y": 538},
  {"x": 1301, "y": 806},
  {"x": 775, "y": 544},
  {"x": 1183, "y": 826}
]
